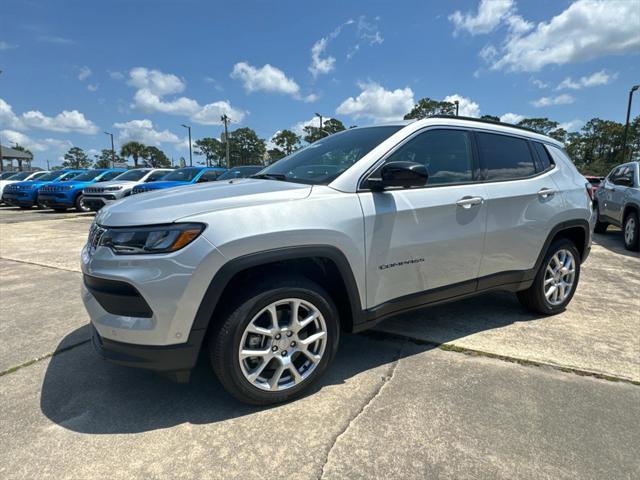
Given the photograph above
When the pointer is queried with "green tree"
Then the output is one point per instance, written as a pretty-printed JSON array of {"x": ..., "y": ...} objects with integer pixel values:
[
  {"x": 541, "y": 125},
  {"x": 246, "y": 148},
  {"x": 20, "y": 148},
  {"x": 76, "y": 158},
  {"x": 329, "y": 127},
  {"x": 212, "y": 149},
  {"x": 492, "y": 118},
  {"x": 103, "y": 159},
  {"x": 154, "y": 157},
  {"x": 287, "y": 141},
  {"x": 275, "y": 154},
  {"x": 134, "y": 150},
  {"x": 427, "y": 107}
]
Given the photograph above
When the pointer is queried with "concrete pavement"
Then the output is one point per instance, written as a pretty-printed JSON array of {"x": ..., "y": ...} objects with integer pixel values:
[{"x": 388, "y": 407}]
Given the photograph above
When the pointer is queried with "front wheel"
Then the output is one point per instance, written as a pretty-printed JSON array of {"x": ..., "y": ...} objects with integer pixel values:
[
  {"x": 631, "y": 232},
  {"x": 80, "y": 205},
  {"x": 601, "y": 227},
  {"x": 556, "y": 280},
  {"x": 276, "y": 341}
]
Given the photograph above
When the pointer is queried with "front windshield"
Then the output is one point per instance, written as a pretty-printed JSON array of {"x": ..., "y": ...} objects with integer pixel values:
[
  {"x": 324, "y": 160},
  {"x": 49, "y": 176},
  {"x": 132, "y": 175},
  {"x": 19, "y": 176},
  {"x": 37, "y": 176},
  {"x": 239, "y": 172},
  {"x": 90, "y": 175},
  {"x": 6, "y": 175},
  {"x": 183, "y": 175}
]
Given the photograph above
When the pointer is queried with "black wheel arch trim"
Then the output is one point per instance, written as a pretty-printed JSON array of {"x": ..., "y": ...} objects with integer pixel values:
[
  {"x": 237, "y": 265},
  {"x": 584, "y": 224}
]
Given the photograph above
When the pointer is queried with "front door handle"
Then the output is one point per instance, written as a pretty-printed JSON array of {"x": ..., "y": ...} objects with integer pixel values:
[
  {"x": 468, "y": 202},
  {"x": 546, "y": 192}
]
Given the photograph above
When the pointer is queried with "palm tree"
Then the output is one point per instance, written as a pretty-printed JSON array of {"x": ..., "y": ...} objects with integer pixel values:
[{"x": 134, "y": 150}]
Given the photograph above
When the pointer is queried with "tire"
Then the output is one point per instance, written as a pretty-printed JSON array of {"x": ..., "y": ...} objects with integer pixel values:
[
  {"x": 631, "y": 232},
  {"x": 80, "y": 206},
  {"x": 225, "y": 342},
  {"x": 59, "y": 209},
  {"x": 601, "y": 227},
  {"x": 534, "y": 297},
  {"x": 24, "y": 207}
]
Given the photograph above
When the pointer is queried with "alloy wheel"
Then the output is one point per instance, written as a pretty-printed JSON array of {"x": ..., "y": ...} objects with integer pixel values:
[
  {"x": 559, "y": 277},
  {"x": 283, "y": 344},
  {"x": 629, "y": 230}
]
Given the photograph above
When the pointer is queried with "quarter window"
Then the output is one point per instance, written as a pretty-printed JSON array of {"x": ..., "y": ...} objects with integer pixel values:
[
  {"x": 504, "y": 157},
  {"x": 543, "y": 161},
  {"x": 446, "y": 154},
  {"x": 210, "y": 176}
]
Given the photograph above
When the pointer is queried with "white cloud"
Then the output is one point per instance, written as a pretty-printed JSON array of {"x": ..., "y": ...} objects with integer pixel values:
[
  {"x": 539, "y": 83},
  {"x": 266, "y": 78},
  {"x": 587, "y": 29},
  {"x": 93, "y": 87},
  {"x": 512, "y": 118},
  {"x": 563, "y": 99},
  {"x": 366, "y": 33},
  {"x": 153, "y": 85},
  {"x": 321, "y": 65},
  {"x": 298, "y": 128},
  {"x": 8, "y": 118},
  {"x": 378, "y": 104},
  {"x": 593, "y": 80},
  {"x": 66, "y": 121},
  {"x": 54, "y": 39},
  {"x": 572, "y": 125},
  {"x": 115, "y": 75},
  {"x": 47, "y": 144},
  {"x": 489, "y": 15},
  {"x": 155, "y": 81},
  {"x": 466, "y": 107},
  {"x": 7, "y": 46},
  {"x": 84, "y": 73},
  {"x": 143, "y": 131}
]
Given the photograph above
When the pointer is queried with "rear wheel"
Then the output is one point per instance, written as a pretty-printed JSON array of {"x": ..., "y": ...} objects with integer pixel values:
[
  {"x": 556, "y": 280},
  {"x": 80, "y": 205},
  {"x": 276, "y": 341},
  {"x": 631, "y": 229},
  {"x": 601, "y": 227}
]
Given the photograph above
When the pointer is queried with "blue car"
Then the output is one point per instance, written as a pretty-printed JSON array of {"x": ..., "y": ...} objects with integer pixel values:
[
  {"x": 63, "y": 195},
  {"x": 25, "y": 194},
  {"x": 182, "y": 176}
]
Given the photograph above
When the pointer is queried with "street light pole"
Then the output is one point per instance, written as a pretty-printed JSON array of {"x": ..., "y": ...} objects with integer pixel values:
[
  {"x": 457, "y": 106},
  {"x": 626, "y": 125},
  {"x": 225, "y": 119},
  {"x": 113, "y": 150},
  {"x": 190, "y": 153},
  {"x": 321, "y": 124}
]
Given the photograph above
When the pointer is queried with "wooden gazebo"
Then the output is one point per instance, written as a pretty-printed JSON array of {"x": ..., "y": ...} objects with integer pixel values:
[{"x": 8, "y": 154}]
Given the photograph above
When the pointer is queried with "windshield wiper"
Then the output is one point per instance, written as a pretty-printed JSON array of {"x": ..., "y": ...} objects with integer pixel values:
[{"x": 270, "y": 176}]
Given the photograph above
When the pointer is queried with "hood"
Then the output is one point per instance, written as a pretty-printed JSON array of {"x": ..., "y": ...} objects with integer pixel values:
[
  {"x": 168, "y": 206},
  {"x": 165, "y": 184},
  {"x": 114, "y": 183},
  {"x": 27, "y": 185}
]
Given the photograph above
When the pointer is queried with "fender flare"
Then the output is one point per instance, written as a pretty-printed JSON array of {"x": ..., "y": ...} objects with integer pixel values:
[{"x": 584, "y": 224}]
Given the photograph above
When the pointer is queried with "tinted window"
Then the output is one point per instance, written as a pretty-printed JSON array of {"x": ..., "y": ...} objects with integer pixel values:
[
  {"x": 327, "y": 158},
  {"x": 624, "y": 175},
  {"x": 445, "y": 153},
  {"x": 19, "y": 176},
  {"x": 543, "y": 160},
  {"x": 133, "y": 175},
  {"x": 49, "y": 176},
  {"x": 155, "y": 176},
  {"x": 183, "y": 174},
  {"x": 239, "y": 172},
  {"x": 505, "y": 157},
  {"x": 109, "y": 176},
  {"x": 89, "y": 175},
  {"x": 210, "y": 176},
  {"x": 38, "y": 175}
]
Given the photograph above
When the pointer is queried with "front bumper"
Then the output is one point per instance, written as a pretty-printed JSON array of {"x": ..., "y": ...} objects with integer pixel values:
[
  {"x": 55, "y": 200},
  {"x": 19, "y": 199},
  {"x": 96, "y": 202}
]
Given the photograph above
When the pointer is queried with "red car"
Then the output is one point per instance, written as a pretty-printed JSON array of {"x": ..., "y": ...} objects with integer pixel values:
[{"x": 595, "y": 183}]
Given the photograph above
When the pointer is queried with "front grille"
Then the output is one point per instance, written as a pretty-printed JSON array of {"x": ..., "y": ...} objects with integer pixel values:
[
  {"x": 51, "y": 189},
  {"x": 94, "y": 190}
]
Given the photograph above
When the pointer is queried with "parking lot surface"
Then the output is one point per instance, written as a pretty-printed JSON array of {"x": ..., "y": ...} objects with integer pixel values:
[{"x": 475, "y": 389}]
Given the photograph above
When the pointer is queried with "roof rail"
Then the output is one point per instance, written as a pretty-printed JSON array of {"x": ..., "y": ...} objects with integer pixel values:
[{"x": 486, "y": 120}]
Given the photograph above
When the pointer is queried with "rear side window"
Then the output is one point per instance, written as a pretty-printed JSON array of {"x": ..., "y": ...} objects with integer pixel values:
[
  {"x": 210, "y": 176},
  {"x": 505, "y": 158},
  {"x": 445, "y": 153},
  {"x": 543, "y": 161}
]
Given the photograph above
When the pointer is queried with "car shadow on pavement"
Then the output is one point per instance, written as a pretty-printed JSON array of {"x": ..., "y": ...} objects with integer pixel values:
[
  {"x": 613, "y": 240},
  {"x": 83, "y": 393}
]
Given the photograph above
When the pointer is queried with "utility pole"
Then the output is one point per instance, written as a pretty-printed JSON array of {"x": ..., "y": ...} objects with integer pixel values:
[
  {"x": 226, "y": 119},
  {"x": 188, "y": 127},
  {"x": 47, "y": 164},
  {"x": 113, "y": 150},
  {"x": 457, "y": 106},
  {"x": 626, "y": 125}
]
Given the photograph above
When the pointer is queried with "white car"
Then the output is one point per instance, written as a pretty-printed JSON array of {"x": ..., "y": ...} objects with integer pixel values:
[
  {"x": 104, "y": 193},
  {"x": 21, "y": 177}
]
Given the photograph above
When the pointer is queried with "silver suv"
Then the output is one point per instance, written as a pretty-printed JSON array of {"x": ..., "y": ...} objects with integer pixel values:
[
  {"x": 617, "y": 202},
  {"x": 96, "y": 197},
  {"x": 356, "y": 227}
]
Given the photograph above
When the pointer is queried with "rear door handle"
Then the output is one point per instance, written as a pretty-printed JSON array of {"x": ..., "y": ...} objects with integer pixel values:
[
  {"x": 546, "y": 192},
  {"x": 468, "y": 202}
]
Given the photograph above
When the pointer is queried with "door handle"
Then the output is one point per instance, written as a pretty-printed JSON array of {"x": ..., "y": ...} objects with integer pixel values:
[
  {"x": 546, "y": 192},
  {"x": 468, "y": 202}
]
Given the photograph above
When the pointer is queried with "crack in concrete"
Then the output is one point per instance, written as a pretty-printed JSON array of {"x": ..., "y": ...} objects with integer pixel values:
[
  {"x": 42, "y": 357},
  {"x": 39, "y": 264},
  {"x": 385, "y": 381}
]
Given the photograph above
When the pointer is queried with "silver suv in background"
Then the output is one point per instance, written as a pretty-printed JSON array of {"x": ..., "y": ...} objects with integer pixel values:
[
  {"x": 617, "y": 202},
  {"x": 96, "y": 197},
  {"x": 363, "y": 224}
]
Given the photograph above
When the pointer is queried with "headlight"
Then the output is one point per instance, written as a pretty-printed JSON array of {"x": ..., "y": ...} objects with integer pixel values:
[
  {"x": 155, "y": 239},
  {"x": 113, "y": 189},
  {"x": 67, "y": 187}
]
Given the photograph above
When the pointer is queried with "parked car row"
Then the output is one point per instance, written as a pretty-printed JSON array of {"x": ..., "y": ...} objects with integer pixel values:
[{"x": 87, "y": 190}]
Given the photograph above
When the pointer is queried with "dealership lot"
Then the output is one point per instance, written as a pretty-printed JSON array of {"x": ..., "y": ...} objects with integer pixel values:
[{"x": 468, "y": 390}]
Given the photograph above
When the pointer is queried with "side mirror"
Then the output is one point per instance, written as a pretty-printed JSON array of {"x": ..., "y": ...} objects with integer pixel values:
[{"x": 400, "y": 174}]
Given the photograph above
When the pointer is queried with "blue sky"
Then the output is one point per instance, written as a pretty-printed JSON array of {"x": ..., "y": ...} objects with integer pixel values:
[{"x": 141, "y": 68}]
